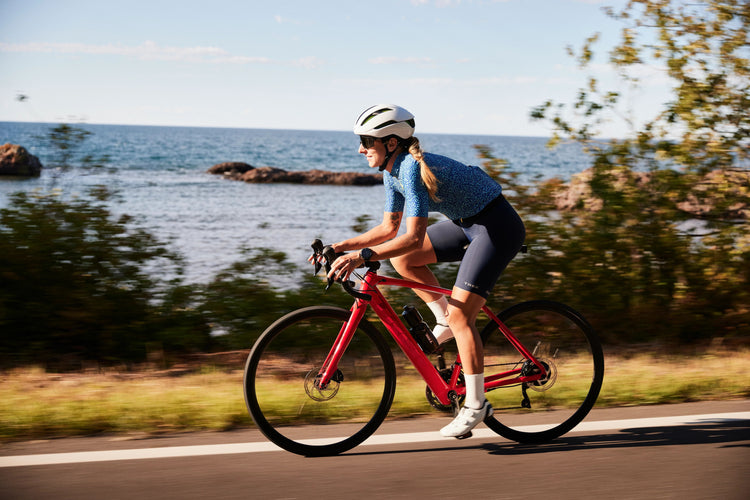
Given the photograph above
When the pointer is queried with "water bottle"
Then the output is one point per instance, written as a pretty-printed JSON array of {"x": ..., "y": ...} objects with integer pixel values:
[{"x": 419, "y": 330}]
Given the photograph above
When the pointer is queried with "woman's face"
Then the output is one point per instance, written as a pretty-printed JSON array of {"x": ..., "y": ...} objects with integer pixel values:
[{"x": 375, "y": 155}]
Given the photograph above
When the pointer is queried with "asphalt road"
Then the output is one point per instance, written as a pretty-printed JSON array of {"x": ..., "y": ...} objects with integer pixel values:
[{"x": 703, "y": 453}]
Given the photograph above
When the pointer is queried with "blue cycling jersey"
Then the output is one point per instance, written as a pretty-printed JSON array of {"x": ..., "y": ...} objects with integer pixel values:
[{"x": 463, "y": 190}]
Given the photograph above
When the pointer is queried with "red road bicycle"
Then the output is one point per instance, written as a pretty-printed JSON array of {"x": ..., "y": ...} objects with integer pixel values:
[{"x": 320, "y": 380}]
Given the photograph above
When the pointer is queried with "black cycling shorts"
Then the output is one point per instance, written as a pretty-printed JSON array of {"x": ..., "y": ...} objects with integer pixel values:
[{"x": 485, "y": 247}]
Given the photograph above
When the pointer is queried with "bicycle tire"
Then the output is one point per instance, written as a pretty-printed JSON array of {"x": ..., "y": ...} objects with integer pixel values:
[
  {"x": 568, "y": 345},
  {"x": 300, "y": 418}
]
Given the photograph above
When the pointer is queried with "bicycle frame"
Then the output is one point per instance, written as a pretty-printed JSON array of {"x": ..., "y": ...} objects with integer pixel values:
[{"x": 445, "y": 392}]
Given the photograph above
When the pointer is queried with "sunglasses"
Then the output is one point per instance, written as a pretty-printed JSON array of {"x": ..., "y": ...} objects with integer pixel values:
[{"x": 367, "y": 141}]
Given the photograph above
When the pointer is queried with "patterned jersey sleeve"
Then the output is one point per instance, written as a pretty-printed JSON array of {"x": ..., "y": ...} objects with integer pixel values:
[
  {"x": 394, "y": 201},
  {"x": 415, "y": 192}
]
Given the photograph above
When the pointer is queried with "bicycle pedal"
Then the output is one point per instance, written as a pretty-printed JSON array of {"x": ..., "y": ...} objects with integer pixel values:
[{"x": 464, "y": 436}]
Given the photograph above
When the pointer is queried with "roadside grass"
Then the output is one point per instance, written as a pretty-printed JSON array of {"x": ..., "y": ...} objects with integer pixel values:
[{"x": 39, "y": 405}]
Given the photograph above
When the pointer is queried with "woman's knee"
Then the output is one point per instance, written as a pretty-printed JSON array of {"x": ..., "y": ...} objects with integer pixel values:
[
  {"x": 400, "y": 263},
  {"x": 457, "y": 317},
  {"x": 463, "y": 308},
  {"x": 411, "y": 260}
]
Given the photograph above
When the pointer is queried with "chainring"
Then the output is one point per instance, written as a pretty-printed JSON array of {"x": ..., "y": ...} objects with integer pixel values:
[{"x": 435, "y": 402}]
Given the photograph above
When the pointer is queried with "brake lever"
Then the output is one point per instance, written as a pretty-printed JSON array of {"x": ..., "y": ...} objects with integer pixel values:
[
  {"x": 317, "y": 247},
  {"x": 329, "y": 255}
]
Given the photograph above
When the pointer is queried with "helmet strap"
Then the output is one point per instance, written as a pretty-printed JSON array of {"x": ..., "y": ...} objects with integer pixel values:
[{"x": 388, "y": 154}]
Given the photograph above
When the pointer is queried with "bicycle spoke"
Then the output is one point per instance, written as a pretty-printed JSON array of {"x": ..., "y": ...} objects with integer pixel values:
[
  {"x": 571, "y": 357},
  {"x": 283, "y": 388}
]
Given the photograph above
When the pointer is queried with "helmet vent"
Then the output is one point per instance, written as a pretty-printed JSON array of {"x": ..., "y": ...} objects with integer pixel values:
[
  {"x": 391, "y": 122},
  {"x": 374, "y": 114},
  {"x": 410, "y": 122}
]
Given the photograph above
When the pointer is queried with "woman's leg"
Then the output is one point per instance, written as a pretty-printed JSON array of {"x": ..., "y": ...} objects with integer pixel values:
[
  {"x": 444, "y": 242},
  {"x": 463, "y": 308},
  {"x": 462, "y": 314},
  {"x": 413, "y": 266}
]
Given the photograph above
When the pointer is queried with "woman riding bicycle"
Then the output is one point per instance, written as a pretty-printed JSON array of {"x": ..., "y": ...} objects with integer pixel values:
[{"x": 484, "y": 233}]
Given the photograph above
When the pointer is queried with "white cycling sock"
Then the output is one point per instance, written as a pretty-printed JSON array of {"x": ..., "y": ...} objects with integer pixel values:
[
  {"x": 474, "y": 390},
  {"x": 439, "y": 308},
  {"x": 442, "y": 331}
]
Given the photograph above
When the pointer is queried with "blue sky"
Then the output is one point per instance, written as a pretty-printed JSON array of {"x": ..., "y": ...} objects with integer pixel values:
[{"x": 461, "y": 66}]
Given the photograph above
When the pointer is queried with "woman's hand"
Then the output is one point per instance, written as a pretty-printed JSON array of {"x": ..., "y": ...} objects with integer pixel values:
[
  {"x": 345, "y": 265},
  {"x": 321, "y": 255}
]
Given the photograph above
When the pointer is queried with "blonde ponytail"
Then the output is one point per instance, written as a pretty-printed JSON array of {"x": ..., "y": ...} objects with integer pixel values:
[{"x": 428, "y": 178}]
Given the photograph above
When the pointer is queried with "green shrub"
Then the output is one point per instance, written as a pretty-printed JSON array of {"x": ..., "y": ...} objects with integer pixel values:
[{"x": 75, "y": 284}]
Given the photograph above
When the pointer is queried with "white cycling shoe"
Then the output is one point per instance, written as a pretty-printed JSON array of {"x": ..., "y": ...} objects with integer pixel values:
[{"x": 466, "y": 420}]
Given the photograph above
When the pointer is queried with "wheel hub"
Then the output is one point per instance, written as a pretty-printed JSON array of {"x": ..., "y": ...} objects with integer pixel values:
[
  {"x": 545, "y": 383},
  {"x": 318, "y": 393}
]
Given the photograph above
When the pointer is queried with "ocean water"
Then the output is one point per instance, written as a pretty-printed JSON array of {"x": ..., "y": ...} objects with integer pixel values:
[{"x": 160, "y": 174}]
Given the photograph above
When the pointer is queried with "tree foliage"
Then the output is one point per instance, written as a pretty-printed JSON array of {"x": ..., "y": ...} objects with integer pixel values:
[
  {"x": 703, "y": 49},
  {"x": 65, "y": 141},
  {"x": 247, "y": 296},
  {"x": 658, "y": 244},
  {"x": 78, "y": 283},
  {"x": 75, "y": 282}
]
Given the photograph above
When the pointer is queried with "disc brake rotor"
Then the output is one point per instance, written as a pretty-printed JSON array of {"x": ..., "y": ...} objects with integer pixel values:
[
  {"x": 315, "y": 392},
  {"x": 546, "y": 383}
]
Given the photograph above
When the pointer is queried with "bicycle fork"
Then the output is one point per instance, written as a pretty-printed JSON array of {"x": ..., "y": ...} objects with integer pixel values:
[{"x": 329, "y": 371}]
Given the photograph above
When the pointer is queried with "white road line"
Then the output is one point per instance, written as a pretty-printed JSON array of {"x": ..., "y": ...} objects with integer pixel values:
[{"x": 414, "y": 437}]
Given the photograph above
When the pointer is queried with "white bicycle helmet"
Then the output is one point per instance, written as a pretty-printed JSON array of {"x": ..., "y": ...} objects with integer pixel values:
[{"x": 383, "y": 120}]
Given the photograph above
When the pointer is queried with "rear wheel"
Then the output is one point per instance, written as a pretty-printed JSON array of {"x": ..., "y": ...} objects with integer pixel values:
[
  {"x": 568, "y": 349},
  {"x": 289, "y": 406}
]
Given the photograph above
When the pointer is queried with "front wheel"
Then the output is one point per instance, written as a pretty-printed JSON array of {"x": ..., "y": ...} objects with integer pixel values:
[
  {"x": 289, "y": 406},
  {"x": 571, "y": 354}
]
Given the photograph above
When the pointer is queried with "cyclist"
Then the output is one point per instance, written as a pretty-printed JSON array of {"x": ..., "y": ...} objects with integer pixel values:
[{"x": 484, "y": 233}]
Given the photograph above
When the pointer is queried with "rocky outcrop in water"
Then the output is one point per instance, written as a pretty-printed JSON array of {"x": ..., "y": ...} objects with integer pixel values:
[
  {"x": 243, "y": 172},
  {"x": 15, "y": 160}
]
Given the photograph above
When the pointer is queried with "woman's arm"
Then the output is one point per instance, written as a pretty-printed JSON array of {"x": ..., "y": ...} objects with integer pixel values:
[
  {"x": 386, "y": 230},
  {"x": 416, "y": 228}
]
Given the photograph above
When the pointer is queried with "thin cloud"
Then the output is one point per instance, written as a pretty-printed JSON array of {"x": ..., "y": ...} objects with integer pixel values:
[
  {"x": 438, "y": 3},
  {"x": 454, "y": 3},
  {"x": 285, "y": 20},
  {"x": 504, "y": 80},
  {"x": 311, "y": 62},
  {"x": 448, "y": 82},
  {"x": 147, "y": 51},
  {"x": 240, "y": 60},
  {"x": 401, "y": 60}
]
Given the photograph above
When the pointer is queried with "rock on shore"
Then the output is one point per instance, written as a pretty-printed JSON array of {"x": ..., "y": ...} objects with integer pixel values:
[
  {"x": 243, "y": 172},
  {"x": 577, "y": 193},
  {"x": 15, "y": 160}
]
